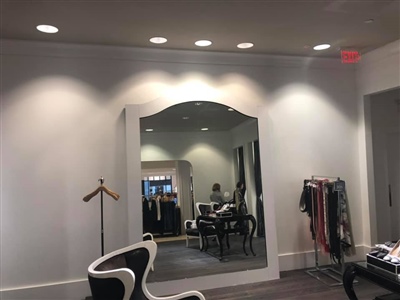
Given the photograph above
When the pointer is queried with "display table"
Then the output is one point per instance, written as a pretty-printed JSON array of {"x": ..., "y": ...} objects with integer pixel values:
[
  {"x": 223, "y": 231},
  {"x": 379, "y": 277}
]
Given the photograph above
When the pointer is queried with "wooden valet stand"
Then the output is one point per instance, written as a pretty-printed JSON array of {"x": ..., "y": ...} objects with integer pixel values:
[{"x": 102, "y": 188}]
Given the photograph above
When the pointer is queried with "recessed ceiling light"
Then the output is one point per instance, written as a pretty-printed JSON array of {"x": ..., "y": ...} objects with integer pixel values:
[
  {"x": 158, "y": 40},
  {"x": 245, "y": 45},
  {"x": 321, "y": 47},
  {"x": 203, "y": 43},
  {"x": 198, "y": 103},
  {"x": 204, "y": 129},
  {"x": 185, "y": 118},
  {"x": 149, "y": 129},
  {"x": 231, "y": 109},
  {"x": 47, "y": 28},
  {"x": 369, "y": 21}
]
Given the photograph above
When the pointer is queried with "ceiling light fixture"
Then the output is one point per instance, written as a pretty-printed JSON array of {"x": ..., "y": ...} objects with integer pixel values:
[
  {"x": 369, "y": 21},
  {"x": 158, "y": 40},
  {"x": 204, "y": 129},
  {"x": 231, "y": 109},
  {"x": 322, "y": 47},
  {"x": 185, "y": 118},
  {"x": 198, "y": 103},
  {"x": 149, "y": 129},
  {"x": 47, "y": 28},
  {"x": 203, "y": 43},
  {"x": 245, "y": 45}
]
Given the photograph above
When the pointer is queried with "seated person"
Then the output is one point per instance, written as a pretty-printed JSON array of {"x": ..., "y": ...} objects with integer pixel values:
[{"x": 216, "y": 195}]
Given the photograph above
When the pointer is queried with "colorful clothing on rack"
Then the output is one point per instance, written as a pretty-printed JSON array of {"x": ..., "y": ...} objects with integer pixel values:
[{"x": 329, "y": 214}]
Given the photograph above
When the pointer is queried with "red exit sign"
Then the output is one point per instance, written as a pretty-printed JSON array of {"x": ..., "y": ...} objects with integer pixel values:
[{"x": 350, "y": 57}]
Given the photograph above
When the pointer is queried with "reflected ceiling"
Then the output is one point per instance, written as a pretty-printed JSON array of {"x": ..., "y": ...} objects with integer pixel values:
[{"x": 192, "y": 116}]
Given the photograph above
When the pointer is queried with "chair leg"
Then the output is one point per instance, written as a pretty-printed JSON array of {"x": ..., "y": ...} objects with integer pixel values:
[
  {"x": 201, "y": 242},
  {"x": 187, "y": 241}
]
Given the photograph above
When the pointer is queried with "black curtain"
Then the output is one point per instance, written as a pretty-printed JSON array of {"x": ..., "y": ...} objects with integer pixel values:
[
  {"x": 242, "y": 177},
  {"x": 258, "y": 182}
]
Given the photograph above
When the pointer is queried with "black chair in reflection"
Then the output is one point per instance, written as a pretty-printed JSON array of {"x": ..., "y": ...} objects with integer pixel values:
[
  {"x": 207, "y": 227},
  {"x": 241, "y": 226},
  {"x": 122, "y": 274},
  {"x": 203, "y": 208},
  {"x": 222, "y": 227},
  {"x": 192, "y": 231}
]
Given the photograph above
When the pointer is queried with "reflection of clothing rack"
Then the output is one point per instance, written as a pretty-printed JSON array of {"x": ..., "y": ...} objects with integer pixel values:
[
  {"x": 324, "y": 200},
  {"x": 161, "y": 217}
]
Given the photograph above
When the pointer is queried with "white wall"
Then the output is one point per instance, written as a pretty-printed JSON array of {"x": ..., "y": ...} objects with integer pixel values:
[
  {"x": 63, "y": 127},
  {"x": 210, "y": 154}
]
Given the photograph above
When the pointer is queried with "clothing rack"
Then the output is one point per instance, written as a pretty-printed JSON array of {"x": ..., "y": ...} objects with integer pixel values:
[{"x": 331, "y": 271}]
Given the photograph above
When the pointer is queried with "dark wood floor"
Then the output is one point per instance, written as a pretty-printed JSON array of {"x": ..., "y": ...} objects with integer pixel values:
[
  {"x": 293, "y": 285},
  {"x": 191, "y": 262}
]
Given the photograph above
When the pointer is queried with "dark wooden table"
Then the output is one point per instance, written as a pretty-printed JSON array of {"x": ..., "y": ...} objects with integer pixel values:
[
  {"x": 378, "y": 276},
  {"x": 223, "y": 228}
]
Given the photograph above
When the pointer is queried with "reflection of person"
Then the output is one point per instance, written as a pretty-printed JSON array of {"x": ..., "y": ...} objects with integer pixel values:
[
  {"x": 238, "y": 194},
  {"x": 216, "y": 195}
]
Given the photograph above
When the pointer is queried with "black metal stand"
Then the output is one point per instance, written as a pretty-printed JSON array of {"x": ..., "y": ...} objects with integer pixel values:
[{"x": 102, "y": 227}]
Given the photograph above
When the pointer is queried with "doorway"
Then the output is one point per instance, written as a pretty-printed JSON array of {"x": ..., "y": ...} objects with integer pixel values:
[{"x": 383, "y": 121}]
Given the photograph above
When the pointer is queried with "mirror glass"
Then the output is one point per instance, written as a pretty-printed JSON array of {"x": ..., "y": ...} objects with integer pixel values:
[{"x": 185, "y": 150}]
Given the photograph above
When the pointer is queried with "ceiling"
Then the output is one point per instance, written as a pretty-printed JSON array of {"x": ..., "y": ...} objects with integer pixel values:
[
  {"x": 215, "y": 117},
  {"x": 289, "y": 27}
]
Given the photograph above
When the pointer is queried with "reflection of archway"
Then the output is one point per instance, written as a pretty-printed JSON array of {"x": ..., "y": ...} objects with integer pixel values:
[
  {"x": 181, "y": 179},
  {"x": 133, "y": 115}
]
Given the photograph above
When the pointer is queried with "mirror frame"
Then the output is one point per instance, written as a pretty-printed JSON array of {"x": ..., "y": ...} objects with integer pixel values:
[{"x": 133, "y": 113}]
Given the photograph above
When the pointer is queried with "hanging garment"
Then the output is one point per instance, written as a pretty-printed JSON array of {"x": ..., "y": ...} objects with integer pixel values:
[
  {"x": 330, "y": 223},
  {"x": 321, "y": 239},
  {"x": 346, "y": 233}
]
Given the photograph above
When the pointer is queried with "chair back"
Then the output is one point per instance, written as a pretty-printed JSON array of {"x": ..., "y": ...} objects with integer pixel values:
[
  {"x": 203, "y": 208},
  {"x": 134, "y": 261},
  {"x": 122, "y": 274},
  {"x": 214, "y": 206}
]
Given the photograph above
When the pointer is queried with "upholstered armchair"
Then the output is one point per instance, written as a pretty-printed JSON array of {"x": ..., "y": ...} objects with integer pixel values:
[
  {"x": 122, "y": 274},
  {"x": 148, "y": 237},
  {"x": 203, "y": 208},
  {"x": 192, "y": 232}
]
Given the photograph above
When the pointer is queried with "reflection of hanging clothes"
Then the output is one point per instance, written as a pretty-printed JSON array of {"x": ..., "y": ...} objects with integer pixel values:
[
  {"x": 167, "y": 209},
  {"x": 147, "y": 222},
  {"x": 158, "y": 200},
  {"x": 149, "y": 215}
]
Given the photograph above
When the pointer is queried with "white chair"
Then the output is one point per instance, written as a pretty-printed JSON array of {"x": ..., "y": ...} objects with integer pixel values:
[
  {"x": 203, "y": 208},
  {"x": 214, "y": 205},
  {"x": 122, "y": 274},
  {"x": 149, "y": 237},
  {"x": 192, "y": 232}
]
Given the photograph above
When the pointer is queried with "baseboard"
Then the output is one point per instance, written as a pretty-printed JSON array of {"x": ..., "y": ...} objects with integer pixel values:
[
  {"x": 303, "y": 260},
  {"x": 79, "y": 289},
  {"x": 68, "y": 290}
]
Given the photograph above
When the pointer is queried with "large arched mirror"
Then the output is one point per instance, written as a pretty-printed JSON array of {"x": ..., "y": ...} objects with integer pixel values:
[
  {"x": 213, "y": 154},
  {"x": 186, "y": 150}
]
